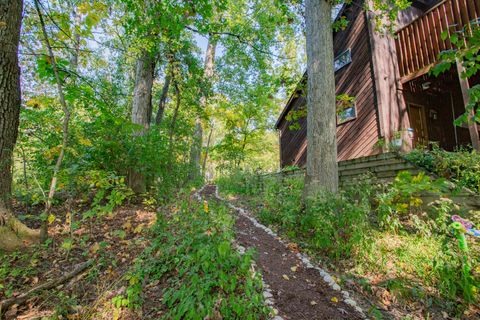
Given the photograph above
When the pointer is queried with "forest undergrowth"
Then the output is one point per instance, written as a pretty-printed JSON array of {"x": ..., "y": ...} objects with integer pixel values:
[{"x": 171, "y": 262}]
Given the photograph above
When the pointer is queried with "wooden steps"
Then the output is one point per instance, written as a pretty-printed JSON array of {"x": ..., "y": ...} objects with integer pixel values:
[{"x": 384, "y": 166}]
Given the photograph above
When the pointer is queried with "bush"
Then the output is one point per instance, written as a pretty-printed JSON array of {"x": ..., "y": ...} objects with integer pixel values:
[
  {"x": 384, "y": 229},
  {"x": 206, "y": 277},
  {"x": 461, "y": 166}
]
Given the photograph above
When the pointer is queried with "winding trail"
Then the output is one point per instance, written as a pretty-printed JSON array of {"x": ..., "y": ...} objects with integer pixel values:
[{"x": 297, "y": 289}]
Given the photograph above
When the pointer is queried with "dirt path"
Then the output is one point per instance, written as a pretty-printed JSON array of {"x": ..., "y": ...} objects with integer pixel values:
[{"x": 299, "y": 291}]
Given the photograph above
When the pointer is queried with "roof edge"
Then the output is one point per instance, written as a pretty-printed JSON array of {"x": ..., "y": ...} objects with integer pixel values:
[{"x": 288, "y": 105}]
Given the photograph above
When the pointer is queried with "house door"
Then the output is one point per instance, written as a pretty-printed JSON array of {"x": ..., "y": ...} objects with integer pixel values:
[{"x": 418, "y": 122}]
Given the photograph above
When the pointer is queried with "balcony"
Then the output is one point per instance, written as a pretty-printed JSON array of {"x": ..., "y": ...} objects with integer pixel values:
[{"x": 419, "y": 44}]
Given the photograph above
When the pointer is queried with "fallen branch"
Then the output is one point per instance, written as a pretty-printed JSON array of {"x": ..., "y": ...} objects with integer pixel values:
[{"x": 5, "y": 304}]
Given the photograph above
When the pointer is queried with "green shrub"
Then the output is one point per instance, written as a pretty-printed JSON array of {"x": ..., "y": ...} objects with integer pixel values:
[
  {"x": 381, "y": 229},
  {"x": 192, "y": 250},
  {"x": 461, "y": 166},
  {"x": 240, "y": 182}
]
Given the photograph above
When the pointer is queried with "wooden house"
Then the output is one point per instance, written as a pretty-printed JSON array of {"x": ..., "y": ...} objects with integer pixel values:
[{"x": 394, "y": 96}]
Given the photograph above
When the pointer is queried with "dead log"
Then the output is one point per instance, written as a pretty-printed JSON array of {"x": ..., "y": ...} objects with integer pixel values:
[{"x": 5, "y": 304}]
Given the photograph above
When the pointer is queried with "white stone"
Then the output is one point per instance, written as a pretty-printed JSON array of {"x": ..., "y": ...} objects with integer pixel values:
[
  {"x": 267, "y": 295},
  {"x": 350, "y": 302},
  {"x": 336, "y": 287},
  {"x": 358, "y": 309}
]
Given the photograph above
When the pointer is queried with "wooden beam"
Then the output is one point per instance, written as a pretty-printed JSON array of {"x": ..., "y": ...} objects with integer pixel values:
[
  {"x": 472, "y": 125},
  {"x": 416, "y": 74}
]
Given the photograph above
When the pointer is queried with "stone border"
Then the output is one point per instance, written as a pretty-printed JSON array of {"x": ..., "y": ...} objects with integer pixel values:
[{"x": 303, "y": 257}]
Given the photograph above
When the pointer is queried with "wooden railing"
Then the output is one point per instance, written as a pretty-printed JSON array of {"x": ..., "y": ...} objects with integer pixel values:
[{"x": 419, "y": 43}]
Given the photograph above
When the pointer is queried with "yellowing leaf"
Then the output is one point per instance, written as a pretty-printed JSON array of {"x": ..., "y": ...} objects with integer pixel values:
[
  {"x": 138, "y": 229},
  {"x": 85, "y": 142},
  {"x": 95, "y": 248},
  {"x": 334, "y": 299},
  {"x": 313, "y": 302},
  {"x": 294, "y": 268},
  {"x": 285, "y": 277},
  {"x": 51, "y": 219},
  {"x": 127, "y": 226}
]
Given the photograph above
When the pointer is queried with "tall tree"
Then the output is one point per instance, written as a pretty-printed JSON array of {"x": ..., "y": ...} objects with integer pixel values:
[
  {"x": 142, "y": 109},
  {"x": 196, "y": 149},
  {"x": 322, "y": 168},
  {"x": 12, "y": 231}
]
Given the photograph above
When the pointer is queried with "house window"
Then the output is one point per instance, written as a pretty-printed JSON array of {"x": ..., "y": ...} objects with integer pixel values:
[
  {"x": 343, "y": 59},
  {"x": 346, "y": 109}
]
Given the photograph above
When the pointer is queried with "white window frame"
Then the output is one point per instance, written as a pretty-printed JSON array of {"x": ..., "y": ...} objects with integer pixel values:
[
  {"x": 354, "y": 106},
  {"x": 349, "y": 53}
]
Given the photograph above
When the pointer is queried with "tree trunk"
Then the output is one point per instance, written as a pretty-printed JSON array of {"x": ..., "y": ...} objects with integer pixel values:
[
  {"x": 207, "y": 148},
  {"x": 175, "y": 115},
  {"x": 163, "y": 101},
  {"x": 76, "y": 39},
  {"x": 65, "y": 126},
  {"x": 196, "y": 148},
  {"x": 322, "y": 168},
  {"x": 142, "y": 110},
  {"x": 12, "y": 231}
]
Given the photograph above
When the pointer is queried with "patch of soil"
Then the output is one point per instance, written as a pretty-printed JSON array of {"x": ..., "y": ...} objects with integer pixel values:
[
  {"x": 299, "y": 292},
  {"x": 112, "y": 241}
]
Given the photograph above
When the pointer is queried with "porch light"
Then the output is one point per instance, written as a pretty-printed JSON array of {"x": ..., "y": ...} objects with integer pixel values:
[{"x": 426, "y": 85}]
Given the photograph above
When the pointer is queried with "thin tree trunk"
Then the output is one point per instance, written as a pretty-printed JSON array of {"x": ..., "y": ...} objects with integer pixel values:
[
  {"x": 206, "y": 153},
  {"x": 322, "y": 168},
  {"x": 163, "y": 100},
  {"x": 65, "y": 127},
  {"x": 76, "y": 39},
  {"x": 196, "y": 148},
  {"x": 141, "y": 111},
  {"x": 12, "y": 231},
  {"x": 175, "y": 114}
]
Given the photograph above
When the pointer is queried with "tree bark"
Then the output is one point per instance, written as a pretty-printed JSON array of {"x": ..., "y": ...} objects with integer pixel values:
[
  {"x": 207, "y": 149},
  {"x": 175, "y": 114},
  {"x": 12, "y": 231},
  {"x": 322, "y": 168},
  {"x": 196, "y": 148},
  {"x": 76, "y": 39},
  {"x": 142, "y": 111},
  {"x": 163, "y": 100}
]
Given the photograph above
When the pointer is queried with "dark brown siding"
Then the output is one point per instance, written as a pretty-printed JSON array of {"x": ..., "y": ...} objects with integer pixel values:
[{"x": 355, "y": 138}]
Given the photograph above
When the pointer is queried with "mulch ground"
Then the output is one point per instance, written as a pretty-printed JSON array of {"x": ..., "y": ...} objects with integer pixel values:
[
  {"x": 298, "y": 292},
  {"x": 112, "y": 241}
]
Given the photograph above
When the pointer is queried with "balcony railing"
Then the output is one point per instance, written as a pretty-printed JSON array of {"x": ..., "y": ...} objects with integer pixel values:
[{"x": 419, "y": 43}]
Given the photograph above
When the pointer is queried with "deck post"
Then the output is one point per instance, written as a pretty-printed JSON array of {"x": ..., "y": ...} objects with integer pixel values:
[{"x": 472, "y": 125}]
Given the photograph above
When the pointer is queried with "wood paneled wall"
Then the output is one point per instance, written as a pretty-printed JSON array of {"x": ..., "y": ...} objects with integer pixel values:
[{"x": 357, "y": 137}]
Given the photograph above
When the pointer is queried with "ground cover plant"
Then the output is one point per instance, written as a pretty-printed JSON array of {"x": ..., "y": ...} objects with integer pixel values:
[
  {"x": 461, "y": 166},
  {"x": 384, "y": 240},
  {"x": 199, "y": 272}
]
